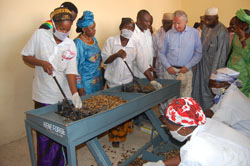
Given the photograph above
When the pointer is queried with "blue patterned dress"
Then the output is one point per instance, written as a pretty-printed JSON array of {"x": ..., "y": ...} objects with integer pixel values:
[{"x": 88, "y": 65}]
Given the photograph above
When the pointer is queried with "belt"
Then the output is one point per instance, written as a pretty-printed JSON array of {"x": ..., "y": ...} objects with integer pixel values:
[{"x": 177, "y": 67}]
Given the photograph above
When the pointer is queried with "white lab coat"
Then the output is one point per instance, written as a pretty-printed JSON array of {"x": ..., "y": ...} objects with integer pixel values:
[
  {"x": 144, "y": 39},
  {"x": 216, "y": 144},
  {"x": 117, "y": 73},
  {"x": 233, "y": 109},
  {"x": 62, "y": 56}
]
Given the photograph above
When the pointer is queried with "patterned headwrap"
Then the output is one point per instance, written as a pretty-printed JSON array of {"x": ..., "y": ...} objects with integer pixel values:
[
  {"x": 241, "y": 14},
  {"x": 61, "y": 14},
  {"x": 86, "y": 20},
  {"x": 226, "y": 75},
  {"x": 185, "y": 111}
]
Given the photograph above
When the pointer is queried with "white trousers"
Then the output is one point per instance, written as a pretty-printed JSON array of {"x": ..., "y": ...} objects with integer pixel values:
[{"x": 186, "y": 91}]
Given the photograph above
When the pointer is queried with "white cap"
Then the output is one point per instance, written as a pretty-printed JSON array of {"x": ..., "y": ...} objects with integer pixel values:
[
  {"x": 211, "y": 11},
  {"x": 167, "y": 16}
]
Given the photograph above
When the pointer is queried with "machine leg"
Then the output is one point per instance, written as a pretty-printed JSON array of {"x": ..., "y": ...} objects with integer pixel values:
[
  {"x": 98, "y": 152},
  {"x": 149, "y": 156},
  {"x": 71, "y": 152},
  {"x": 30, "y": 142},
  {"x": 157, "y": 124},
  {"x": 140, "y": 151}
]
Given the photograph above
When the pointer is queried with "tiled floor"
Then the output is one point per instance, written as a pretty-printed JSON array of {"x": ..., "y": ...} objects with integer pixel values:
[{"x": 17, "y": 153}]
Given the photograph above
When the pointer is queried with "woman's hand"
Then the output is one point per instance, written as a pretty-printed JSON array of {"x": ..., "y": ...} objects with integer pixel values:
[
  {"x": 121, "y": 53},
  {"x": 82, "y": 92},
  {"x": 47, "y": 67},
  {"x": 241, "y": 34}
]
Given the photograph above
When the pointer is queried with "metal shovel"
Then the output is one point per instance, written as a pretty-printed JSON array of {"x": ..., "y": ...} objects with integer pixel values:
[{"x": 134, "y": 78}]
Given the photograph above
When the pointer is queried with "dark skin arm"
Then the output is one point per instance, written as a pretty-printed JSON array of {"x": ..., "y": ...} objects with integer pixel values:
[
  {"x": 47, "y": 67},
  {"x": 155, "y": 75},
  {"x": 81, "y": 92},
  {"x": 175, "y": 161},
  {"x": 154, "y": 61},
  {"x": 154, "y": 70},
  {"x": 242, "y": 35},
  {"x": 72, "y": 82},
  {"x": 209, "y": 113},
  {"x": 148, "y": 74},
  {"x": 121, "y": 53}
]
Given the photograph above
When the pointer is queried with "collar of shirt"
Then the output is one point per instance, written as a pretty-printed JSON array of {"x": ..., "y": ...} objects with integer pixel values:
[
  {"x": 187, "y": 28},
  {"x": 137, "y": 30}
]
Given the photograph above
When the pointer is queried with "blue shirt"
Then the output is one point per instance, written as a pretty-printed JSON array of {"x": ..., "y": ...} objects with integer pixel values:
[{"x": 181, "y": 49}]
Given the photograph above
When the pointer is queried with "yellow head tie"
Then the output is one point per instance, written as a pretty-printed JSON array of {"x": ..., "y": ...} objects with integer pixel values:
[{"x": 61, "y": 11}]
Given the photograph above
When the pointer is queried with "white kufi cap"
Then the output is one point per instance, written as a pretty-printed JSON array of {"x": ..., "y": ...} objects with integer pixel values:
[{"x": 211, "y": 11}]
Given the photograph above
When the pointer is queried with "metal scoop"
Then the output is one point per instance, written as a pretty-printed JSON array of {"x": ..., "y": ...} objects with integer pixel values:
[{"x": 134, "y": 78}]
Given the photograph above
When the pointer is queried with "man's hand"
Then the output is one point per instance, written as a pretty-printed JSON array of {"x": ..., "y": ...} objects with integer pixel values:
[
  {"x": 47, "y": 67},
  {"x": 183, "y": 70},
  {"x": 171, "y": 70},
  {"x": 159, "y": 163},
  {"x": 152, "y": 69},
  {"x": 121, "y": 53}
]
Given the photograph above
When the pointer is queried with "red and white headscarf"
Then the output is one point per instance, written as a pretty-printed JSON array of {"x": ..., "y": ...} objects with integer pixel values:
[{"x": 186, "y": 112}]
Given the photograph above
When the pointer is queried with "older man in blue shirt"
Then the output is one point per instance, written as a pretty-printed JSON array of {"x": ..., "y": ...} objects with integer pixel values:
[{"x": 181, "y": 50}]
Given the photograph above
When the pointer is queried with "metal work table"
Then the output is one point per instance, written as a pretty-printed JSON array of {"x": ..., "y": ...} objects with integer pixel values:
[{"x": 72, "y": 133}]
